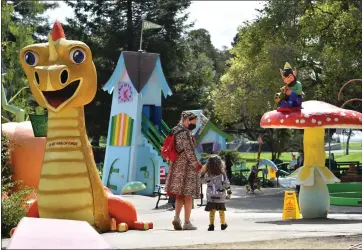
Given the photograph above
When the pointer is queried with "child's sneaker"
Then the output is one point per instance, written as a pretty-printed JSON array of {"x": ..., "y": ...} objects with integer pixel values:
[
  {"x": 224, "y": 226},
  {"x": 189, "y": 226},
  {"x": 211, "y": 227},
  {"x": 177, "y": 223}
]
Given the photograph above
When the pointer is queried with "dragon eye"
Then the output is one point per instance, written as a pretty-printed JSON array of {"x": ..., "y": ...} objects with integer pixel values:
[
  {"x": 31, "y": 58},
  {"x": 77, "y": 55}
]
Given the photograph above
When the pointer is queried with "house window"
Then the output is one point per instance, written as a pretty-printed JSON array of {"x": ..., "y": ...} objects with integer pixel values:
[{"x": 208, "y": 147}]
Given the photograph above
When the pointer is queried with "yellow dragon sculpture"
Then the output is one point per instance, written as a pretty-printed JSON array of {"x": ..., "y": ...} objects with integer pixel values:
[{"x": 62, "y": 78}]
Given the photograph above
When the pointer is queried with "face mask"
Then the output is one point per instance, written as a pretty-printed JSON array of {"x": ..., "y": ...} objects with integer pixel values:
[{"x": 191, "y": 126}]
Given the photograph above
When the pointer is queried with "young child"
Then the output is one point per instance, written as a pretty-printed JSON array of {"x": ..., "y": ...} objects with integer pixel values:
[
  {"x": 217, "y": 183},
  {"x": 252, "y": 178}
]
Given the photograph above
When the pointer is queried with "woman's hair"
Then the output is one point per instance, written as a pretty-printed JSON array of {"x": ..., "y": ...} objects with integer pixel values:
[
  {"x": 187, "y": 115},
  {"x": 215, "y": 166}
]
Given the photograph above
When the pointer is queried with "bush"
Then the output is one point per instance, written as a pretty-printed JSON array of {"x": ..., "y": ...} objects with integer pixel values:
[
  {"x": 5, "y": 159},
  {"x": 233, "y": 155},
  {"x": 12, "y": 205}
]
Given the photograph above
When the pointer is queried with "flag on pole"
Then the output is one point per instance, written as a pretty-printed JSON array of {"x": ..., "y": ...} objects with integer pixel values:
[{"x": 149, "y": 25}]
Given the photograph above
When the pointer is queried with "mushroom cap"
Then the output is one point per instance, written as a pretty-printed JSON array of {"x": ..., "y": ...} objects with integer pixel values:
[
  {"x": 313, "y": 114},
  {"x": 132, "y": 187}
]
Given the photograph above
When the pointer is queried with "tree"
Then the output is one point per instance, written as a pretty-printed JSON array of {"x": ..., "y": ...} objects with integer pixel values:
[
  {"x": 321, "y": 38},
  {"x": 22, "y": 23},
  {"x": 108, "y": 27},
  {"x": 203, "y": 67}
]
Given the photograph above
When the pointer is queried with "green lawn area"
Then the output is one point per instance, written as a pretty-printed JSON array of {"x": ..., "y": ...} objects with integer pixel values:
[
  {"x": 352, "y": 145},
  {"x": 286, "y": 157}
]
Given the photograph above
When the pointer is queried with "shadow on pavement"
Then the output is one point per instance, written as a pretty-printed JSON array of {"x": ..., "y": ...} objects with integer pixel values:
[{"x": 311, "y": 221}]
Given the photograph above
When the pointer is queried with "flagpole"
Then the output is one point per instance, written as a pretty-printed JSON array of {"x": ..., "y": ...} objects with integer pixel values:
[{"x": 143, "y": 19}]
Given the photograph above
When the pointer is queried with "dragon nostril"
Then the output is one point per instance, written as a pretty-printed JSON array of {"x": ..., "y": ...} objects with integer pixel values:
[
  {"x": 64, "y": 76},
  {"x": 37, "y": 78}
]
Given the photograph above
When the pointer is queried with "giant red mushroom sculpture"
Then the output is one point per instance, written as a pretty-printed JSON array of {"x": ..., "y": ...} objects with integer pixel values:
[{"x": 314, "y": 117}]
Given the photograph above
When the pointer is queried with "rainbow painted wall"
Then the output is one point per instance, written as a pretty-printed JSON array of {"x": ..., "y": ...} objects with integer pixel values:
[{"x": 121, "y": 130}]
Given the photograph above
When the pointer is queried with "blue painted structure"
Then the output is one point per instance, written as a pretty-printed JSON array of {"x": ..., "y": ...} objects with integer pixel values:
[
  {"x": 210, "y": 139},
  {"x": 140, "y": 161}
]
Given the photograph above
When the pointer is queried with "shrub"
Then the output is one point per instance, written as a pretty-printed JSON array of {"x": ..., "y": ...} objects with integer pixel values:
[
  {"x": 233, "y": 155},
  {"x": 12, "y": 205},
  {"x": 5, "y": 159}
]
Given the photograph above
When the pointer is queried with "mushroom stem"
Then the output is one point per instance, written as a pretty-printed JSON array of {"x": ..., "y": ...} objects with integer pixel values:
[
  {"x": 314, "y": 153},
  {"x": 314, "y": 196}
]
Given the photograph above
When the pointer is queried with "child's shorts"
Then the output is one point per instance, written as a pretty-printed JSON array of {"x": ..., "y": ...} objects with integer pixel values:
[{"x": 215, "y": 206}]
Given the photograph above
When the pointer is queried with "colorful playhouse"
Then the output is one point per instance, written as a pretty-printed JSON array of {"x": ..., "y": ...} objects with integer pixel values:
[
  {"x": 136, "y": 129},
  {"x": 210, "y": 139}
]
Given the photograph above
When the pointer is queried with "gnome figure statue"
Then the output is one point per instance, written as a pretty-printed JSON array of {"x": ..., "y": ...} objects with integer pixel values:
[{"x": 290, "y": 97}]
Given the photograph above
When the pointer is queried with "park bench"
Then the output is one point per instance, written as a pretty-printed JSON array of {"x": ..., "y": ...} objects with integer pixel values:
[
  {"x": 239, "y": 173},
  {"x": 340, "y": 168},
  {"x": 162, "y": 195}
]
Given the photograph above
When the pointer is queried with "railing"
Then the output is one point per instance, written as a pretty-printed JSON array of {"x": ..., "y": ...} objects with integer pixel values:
[
  {"x": 153, "y": 135},
  {"x": 164, "y": 128}
]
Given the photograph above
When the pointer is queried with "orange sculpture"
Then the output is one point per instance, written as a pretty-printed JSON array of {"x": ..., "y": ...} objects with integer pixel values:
[{"x": 27, "y": 152}]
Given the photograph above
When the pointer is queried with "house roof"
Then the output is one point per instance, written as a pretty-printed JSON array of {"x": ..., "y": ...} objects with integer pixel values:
[
  {"x": 210, "y": 126},
  {"x": 139, "y": 66},
  {"x": 206, "y": 125}
]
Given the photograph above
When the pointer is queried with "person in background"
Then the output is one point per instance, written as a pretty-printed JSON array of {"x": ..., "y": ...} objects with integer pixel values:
[
  {"x": 217, "y": 183},
  {"x": 228, "y": 165},
  {"x": 300, "y": 161},
  {"x": 293, "y": 165},
  {"x": 252, "y": 177},
  {"x": 183, "y": 181}
]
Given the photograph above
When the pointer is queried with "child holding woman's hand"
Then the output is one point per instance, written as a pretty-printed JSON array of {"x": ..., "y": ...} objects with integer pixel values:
[{"x": 217, "y": 183}]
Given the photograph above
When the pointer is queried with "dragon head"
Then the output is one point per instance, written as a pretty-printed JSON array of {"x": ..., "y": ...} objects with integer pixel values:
[{"x": 61, "y": 73}]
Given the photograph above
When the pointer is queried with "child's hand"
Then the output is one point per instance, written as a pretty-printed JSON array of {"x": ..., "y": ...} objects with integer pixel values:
[
  {"x": 229, "y": 194},
  {"x": 288, "y": 92}
]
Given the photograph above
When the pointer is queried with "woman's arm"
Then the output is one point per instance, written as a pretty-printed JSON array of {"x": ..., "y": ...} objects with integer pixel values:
[
  {"x": 188, "y": 147},
  {"x": 203, "y": 177}
]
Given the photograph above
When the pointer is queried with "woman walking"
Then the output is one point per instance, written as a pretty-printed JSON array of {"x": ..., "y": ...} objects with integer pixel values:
[{"x": 183, "y": 180}]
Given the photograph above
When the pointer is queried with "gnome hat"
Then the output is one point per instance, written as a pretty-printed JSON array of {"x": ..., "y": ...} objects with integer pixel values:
[{"x": 288, "y": 70}]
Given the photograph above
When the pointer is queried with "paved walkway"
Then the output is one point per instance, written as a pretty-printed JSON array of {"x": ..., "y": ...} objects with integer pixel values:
[{"x": 250, "y": 218}]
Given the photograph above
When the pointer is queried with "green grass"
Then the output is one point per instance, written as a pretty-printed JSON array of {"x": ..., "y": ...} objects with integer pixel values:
[
  {"x": 353, "y": 156},
  {"x": 352, "y": 145},
  {"x": 286, "y": 157}
]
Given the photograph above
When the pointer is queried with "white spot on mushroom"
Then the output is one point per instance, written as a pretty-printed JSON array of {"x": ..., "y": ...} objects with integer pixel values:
[
  {"x": 342, "y": 113},
  {"x": 266, "y": 117},
  {"x": 319, "y": 122},
  {"x": 336, "y": 119},
  {"x": 354, "y": 114},
  {"x": 314, "y": 121},
  {"x": 306, "y": 116},
  {"x": 302, "y": 121},
  {"x": 360, "y": 119},
  {"x": 296, "y": 121},
  {"x": 269, "y": 120},
  {"x": 286, "y": 116},
  {"x": 328, "y": 119},
  {"x": 282, "y": 120}
]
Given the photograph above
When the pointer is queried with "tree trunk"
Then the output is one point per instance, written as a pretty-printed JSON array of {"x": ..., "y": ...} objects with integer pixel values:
[
  {"x": 347, "y": 143},
  {"x": 129, "y": 26},
  {"x": 95, "y": 140},
  {"x": 273, "y": 156}
]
